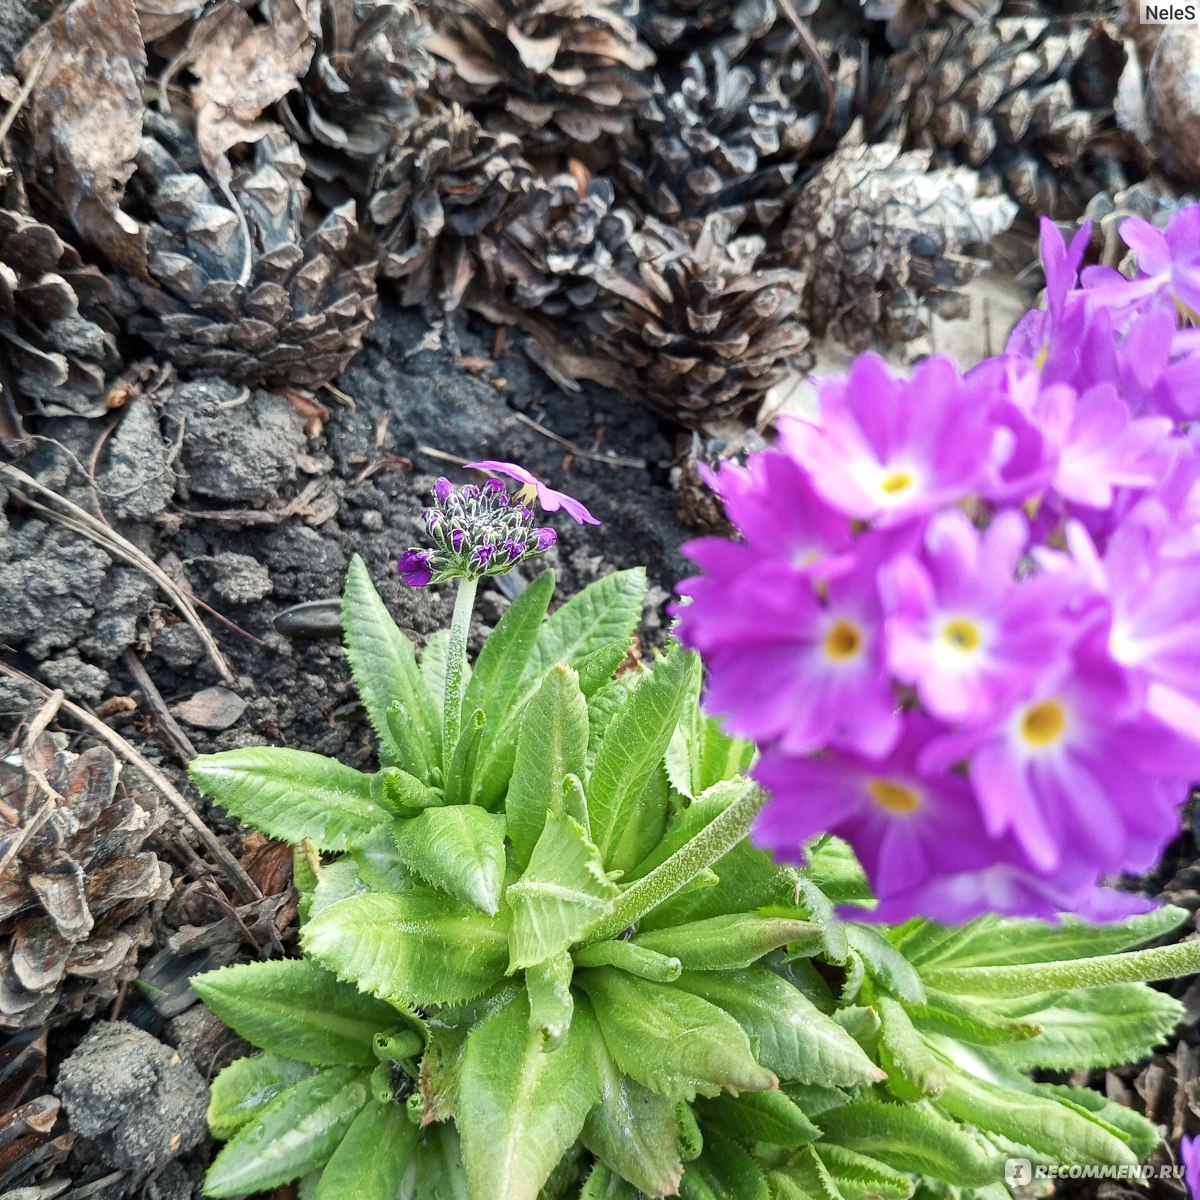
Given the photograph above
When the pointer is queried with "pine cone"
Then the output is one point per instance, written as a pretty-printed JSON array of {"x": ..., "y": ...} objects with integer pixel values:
[
  {"x": 706, "y": 332},
  {"x": 905, "y": 18},
  {"x": 358, "y": 94},
  {"x": 1022, "y": 99},
  {"x": 29, "y": 1150},
  {"x": 680, "y": 27},
  {"x": 57, "y": 344},
  {"x": 555, "y": 72},
  {"x": 558, "y": 237},
  {"x": 1148, "y": 200},
  {"x": 266, "y": 304},
  {"x": 76, "y": 889},
  {"x": 726, "y": 139},
  {"x": 442, "y": 186},
  {"x": 880, "y": 235}
]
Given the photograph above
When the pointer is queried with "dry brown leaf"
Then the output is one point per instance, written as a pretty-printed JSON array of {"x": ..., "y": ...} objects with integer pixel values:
[
  {"x": 160, "y": 17},
  {"x": 211, "y": 708},
  {"x": 241, "y": 69},
  {"x": 85, "y": 119}
]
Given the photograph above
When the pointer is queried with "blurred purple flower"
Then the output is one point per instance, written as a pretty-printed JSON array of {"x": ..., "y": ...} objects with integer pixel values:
[
  {"x": 415, "y": 567},
  {"x": 1189, "y": 1154},
  {"x": 547, "y": 497}
]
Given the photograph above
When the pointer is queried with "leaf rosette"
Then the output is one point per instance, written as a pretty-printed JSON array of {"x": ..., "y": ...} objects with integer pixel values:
[{"x": 545, "y": 961}]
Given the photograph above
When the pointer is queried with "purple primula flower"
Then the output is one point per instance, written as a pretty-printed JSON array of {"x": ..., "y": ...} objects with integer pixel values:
[
  {"x": 547, "y": 497},
  {"x": 889, "y": 448},
  {"x": 1065, "y": 771},
  {"x": 544, "y": 539},
  {"x": 1189, "y": 1155},
  {"x": 415, "y": 567},
  {"x": 1168, "y": 265},
  {"x": 442, "y": 487},
  {"x": 961, "y": 628},
  {"x": 457, "y": 537},
  {"x": 482, "y": 556}
]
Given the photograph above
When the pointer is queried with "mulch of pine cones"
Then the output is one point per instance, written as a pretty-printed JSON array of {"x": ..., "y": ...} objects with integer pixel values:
[{"x": 675, "y": 198}]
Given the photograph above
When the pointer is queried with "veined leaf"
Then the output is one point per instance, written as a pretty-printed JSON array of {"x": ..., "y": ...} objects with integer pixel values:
[
  {"x": 603, "y": 1184},
  {"x": 433, "y": 681},
  {"x": 551, "y": 1004},
  {"x": 769, "y": 1117},
  {"x": 521, "y": 1107},
  {"x": 805, "y": 1177},
  {"x": 886, "y": 964},
  {"x": 646, "y": 964},
  {"x": 438, "y": 1172},
  {"x": 914, "y": 1137},
  {"x": 632, "y": 1129},
  {"x": 372, "y": 1158},
  {"x": 728, "y": 942},
  {"x": 724, "y": 1171},
  {"x": 402, "y": 794},
  {"x": 913, "y": 1071},
  {"x": 834, "y": 869},
  {"x": 290, "y": 794},
  {"x": 460, "y": 773},
  {"x": 563, "y": 893},
  {"x": 1100, "y": 1027},
  {"x": 673, "y": 1042},
  {"x": 379, "y": 864},
  {"x": 336, "y": 881},
  {"x": 604, "y": 706},
  {"x": 1059, "y": 1130},
  {"x": 689, "y": 821},
  {"x": 962, "y": 1018},
  {"x": 581, "y": 634},
  {"x": 306, "y": 869},
  {"x": 860, "y": 1177},
  {"x": 993, "y": 943},
  {"x": 1134, "y": 1130},
  {"x": 551, "y": 745},
  {"x": 410, "y": 949},
  {"x": 293, "y": 1136},
  {"x": 247, "y": 1086},
  {"x": 501, "y": 663},
  {"x": 458, "y": 848},
  {"x": 295, "y": 1008},
  {"x": 631, "y": 752},
  {"x": 384, "y": 667},
  {"x": 795, "y": 1039}
]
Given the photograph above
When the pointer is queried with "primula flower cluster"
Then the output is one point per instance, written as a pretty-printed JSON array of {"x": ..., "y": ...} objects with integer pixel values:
[
  {"x": 480, "y": 531},
  {"x": 963, "y": 618}
]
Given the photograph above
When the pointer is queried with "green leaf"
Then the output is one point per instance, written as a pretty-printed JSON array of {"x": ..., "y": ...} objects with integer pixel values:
[
  {"x": 1101, "y": 1027},
  {"x": 1138, "y": 1133},
  {"x": 913, "y": 1073},
  {"x": 994, "y": 942},
  {"x": 402, "y": 794},
  {"x": 585, "y": 633},
  {"x": 769, "y": 1117},
  {"x": 646, "y": 964},
  {"x": 460, "y": 775},
  {"x": 860, "y": 1177},
  {"x": 1058, "y": 1130},
  {"x": 563, "y": 893},
  {"x": 673, "y": 1042},
  {"x": 459, "y": 849},
  {"x": 604, "y": 706},
  {"x": 294, "y": 1008},
  {"x": 248, "y": 1085},
  {"x": 886, "y": 965},
  {"x": 623, "y": 826},
  {"x": 521, "y": 1107},
  {"x": 290, "y": 794},
  {"x": 689, "y": 821},
  {"x": 433, "y": 676},
  {"x": 385, "y": 670},
  {"x": 380, "y": 867},
  {"x": 805, "y": 1177},
  {"x": 410, "y": 949},
  {"x": 550, "y": 1001},
  {"x": 551, "y": 744},
  {"x": 603, "y": 1184},
  {"x": 295, "y": 1134},
  {"x": 724, "y": 1171},
  {"x": 495, "y": 684},
  {"x": 727, "y": 942},
  {"x": 632, "y": 1129},
  {"x": 916, "y": 1138},
  {"x": 968, "y": 1021},
  {"x": 306, "y": 869},
  {"x": 372, "y": 1158},
  {"x": 336, "y": 881},
  {"x": 439, "y": 1173},
  {"x": 834, "y": 869},
  {"x": 795, "y": 1039}
]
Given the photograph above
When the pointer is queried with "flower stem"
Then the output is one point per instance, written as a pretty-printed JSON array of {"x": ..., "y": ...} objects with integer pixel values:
[
  {"x": 456, "y": 667},
  {"x": 1141, "y": 966},
  {"x": 717, "y": 838}
]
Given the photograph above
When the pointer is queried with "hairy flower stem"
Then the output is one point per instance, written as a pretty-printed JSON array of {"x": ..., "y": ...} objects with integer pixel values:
[
  {"x": 1141, "y": 966},
  {"x": 717, "y": 838},
  {"x": 456, "y": 667}
]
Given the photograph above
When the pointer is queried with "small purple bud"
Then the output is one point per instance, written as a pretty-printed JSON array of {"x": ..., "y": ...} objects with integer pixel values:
[
  {"x": 482, "y": 555},
  {"x": 526, "y": 513},
  {"x": 492, "y": 486},
  {"x": 544, "y": 539},
  {"x": 457, "y": 537},
  {"x": 433, "y": 518},
  {"x": 514, "y": 550},
  {"x": 414, "y": 567},
  {"x": 442, "y": 489},
  {"x": 468, "y": 491}
]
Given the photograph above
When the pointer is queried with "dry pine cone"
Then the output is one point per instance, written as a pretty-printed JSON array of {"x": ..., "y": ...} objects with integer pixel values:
[
  {"x": 76, "y": 890},
  {"x": 881, "y": 236},
  {"x": 705, "y": 331},
  {"x": 555, "y": 72}
]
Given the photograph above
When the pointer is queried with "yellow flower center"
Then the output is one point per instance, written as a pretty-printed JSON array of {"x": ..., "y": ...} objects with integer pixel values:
[
  {"x": 896, "y": 482},
  {"x": 526, "y": 494},
  {"x": 962, "y": 635},
  {"x": 1044, "y": 723},
  {"x": 1042, "y": 355},
  {"x": 892, "y": 796},
  {"x": 843, "y": 641}
]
